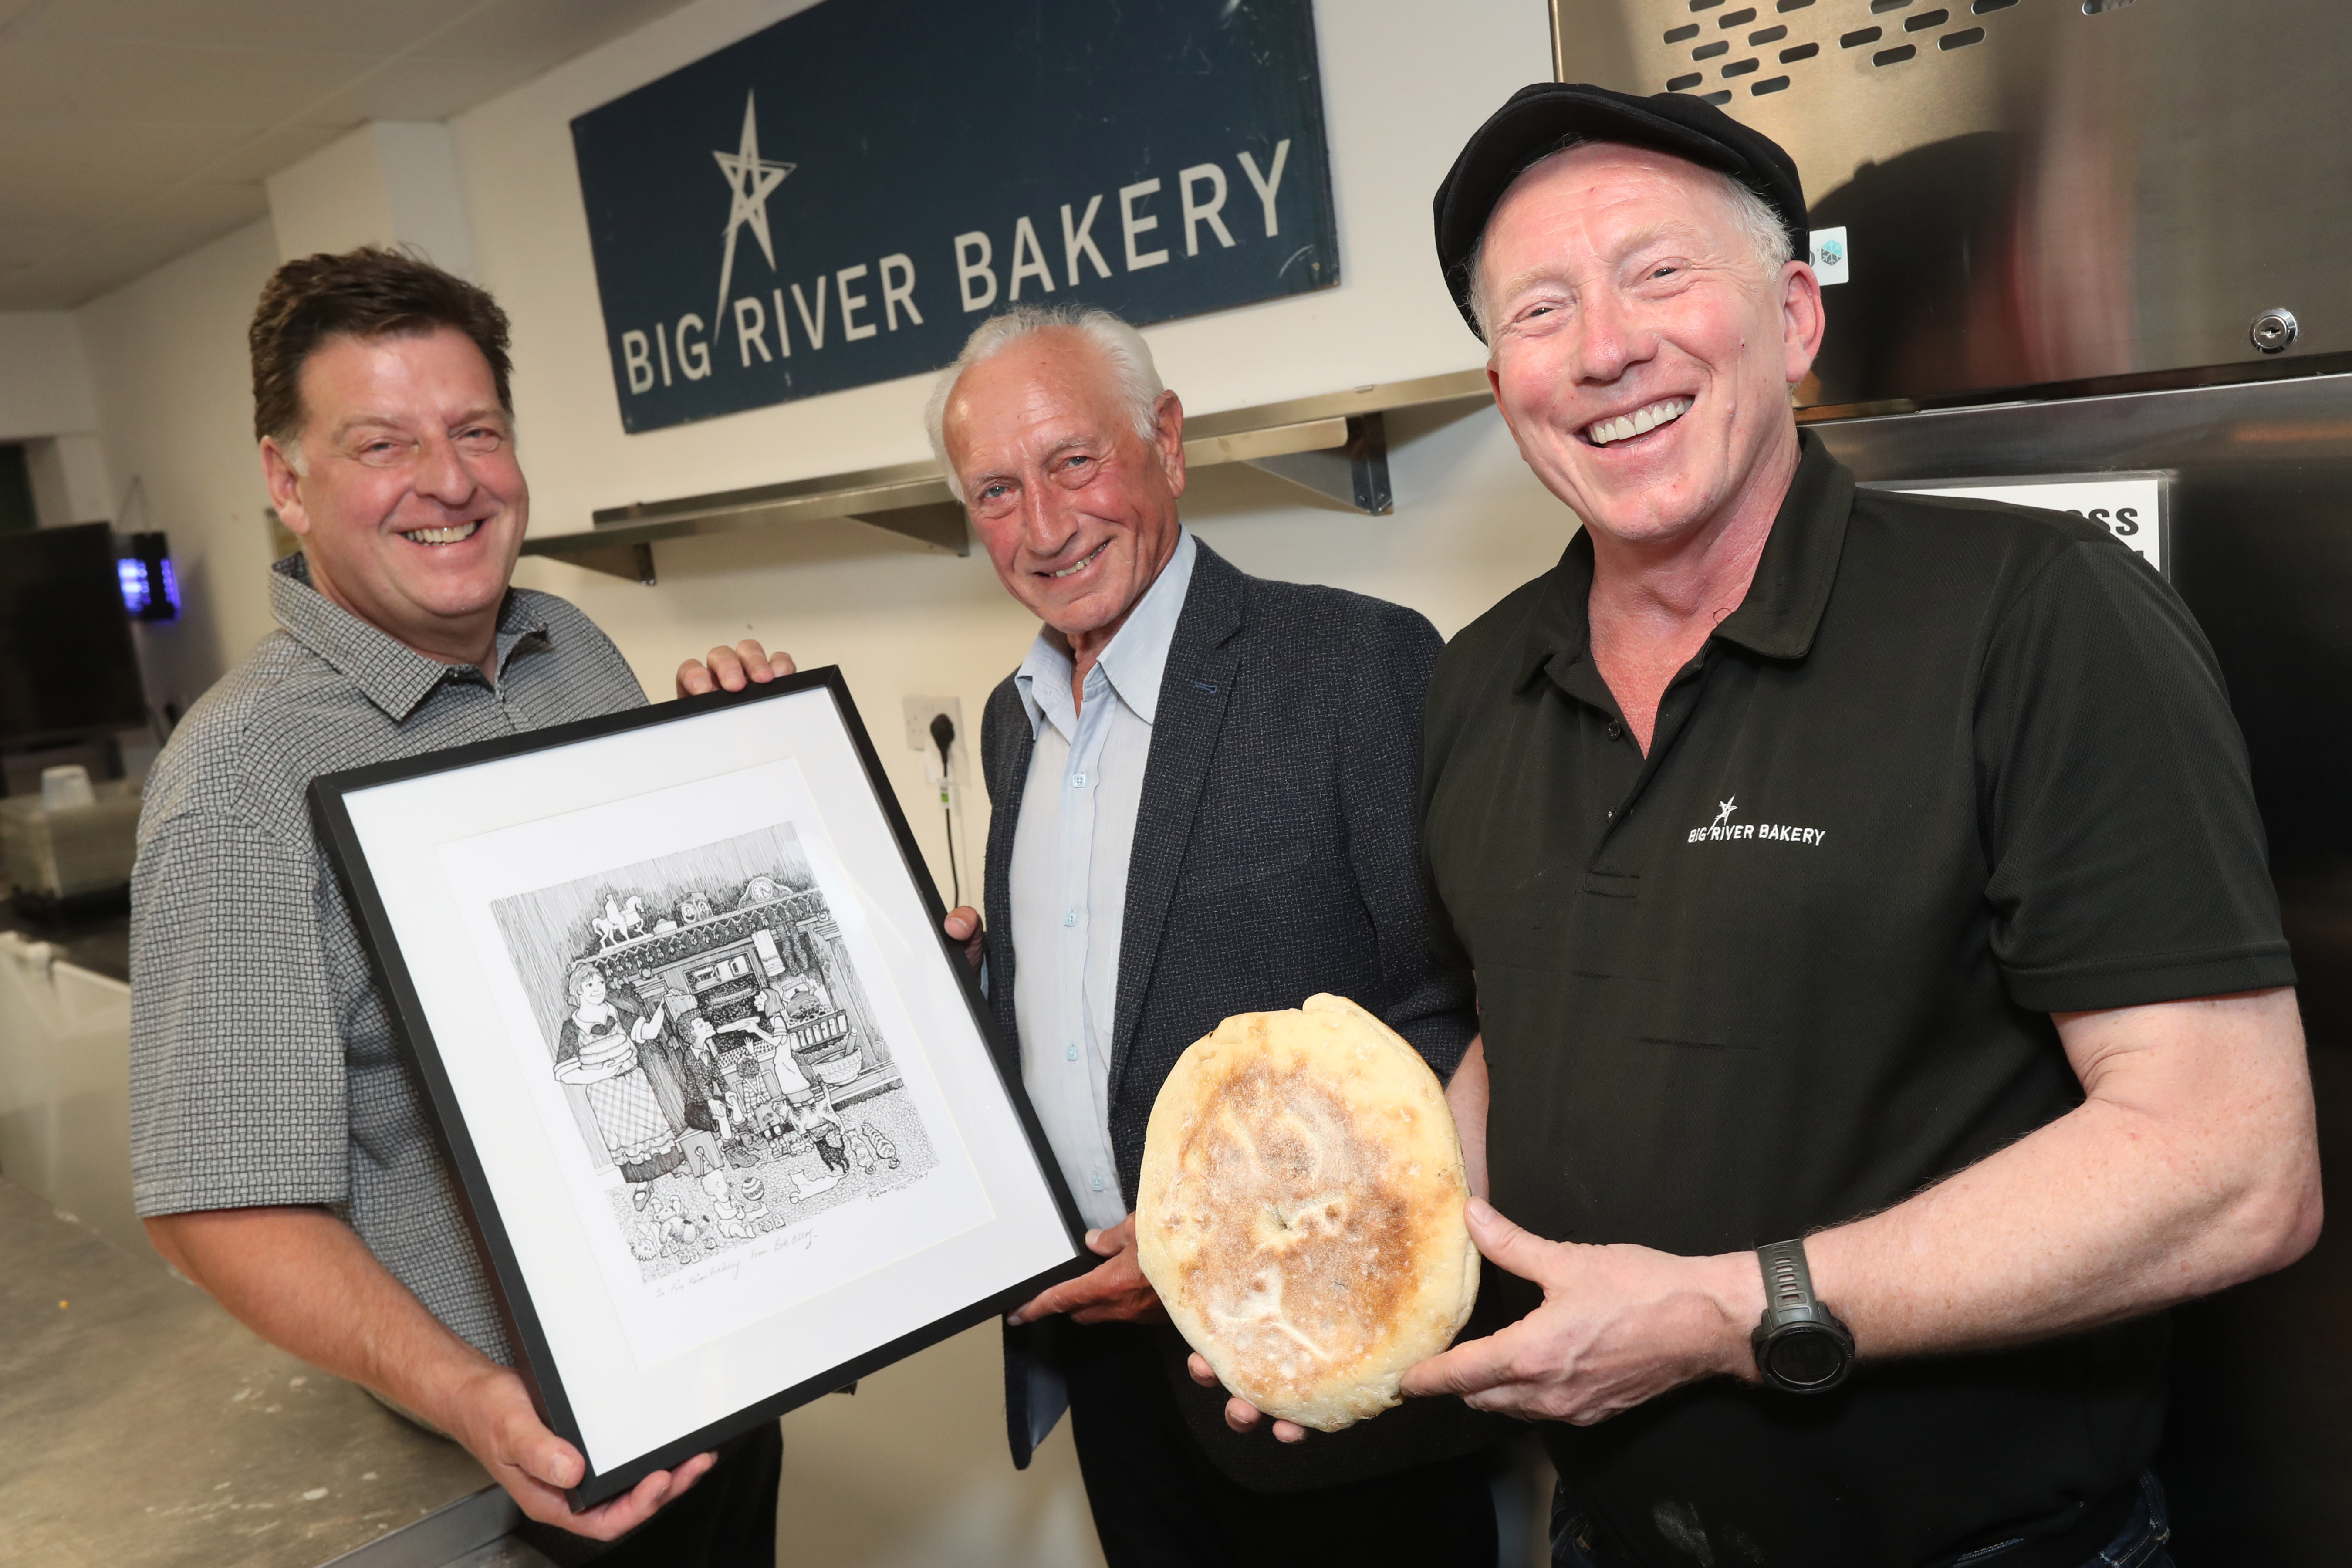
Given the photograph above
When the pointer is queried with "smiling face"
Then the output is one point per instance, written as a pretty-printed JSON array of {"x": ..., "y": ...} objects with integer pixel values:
[
  {"x": 406, "y": 492},
  {"x": 1077, "y": 512},
  {"x": 1641, "y": 350}
]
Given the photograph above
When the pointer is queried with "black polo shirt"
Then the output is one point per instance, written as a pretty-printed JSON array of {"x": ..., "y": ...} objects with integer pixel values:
[{"x": 1950, "y": 767}]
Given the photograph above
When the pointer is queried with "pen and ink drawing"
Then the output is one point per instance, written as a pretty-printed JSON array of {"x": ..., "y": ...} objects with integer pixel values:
[{"x": 703, "y": 1013}]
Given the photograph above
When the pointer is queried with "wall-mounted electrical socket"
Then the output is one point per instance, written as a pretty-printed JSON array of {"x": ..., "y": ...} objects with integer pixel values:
[{"x": 920, "y": 713}]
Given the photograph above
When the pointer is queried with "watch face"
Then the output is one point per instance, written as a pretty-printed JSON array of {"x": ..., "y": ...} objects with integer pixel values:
[{"x": 1804, "y": 1357}]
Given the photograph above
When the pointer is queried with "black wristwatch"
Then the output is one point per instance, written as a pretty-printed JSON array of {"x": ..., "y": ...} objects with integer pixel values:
[{"x": 1800, "y": 1347}]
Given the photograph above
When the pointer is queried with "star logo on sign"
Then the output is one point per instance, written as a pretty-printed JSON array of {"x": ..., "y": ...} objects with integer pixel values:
[
  {"x": 752, "y": 179},
  {"x": 1723, "y": 814}
]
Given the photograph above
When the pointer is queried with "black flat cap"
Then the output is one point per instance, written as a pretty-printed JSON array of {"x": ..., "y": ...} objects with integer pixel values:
[{"x": 1537, "y": 118}]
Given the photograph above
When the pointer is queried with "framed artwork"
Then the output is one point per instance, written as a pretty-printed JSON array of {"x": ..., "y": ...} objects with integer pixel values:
[{"x": 720, "y": 1093}]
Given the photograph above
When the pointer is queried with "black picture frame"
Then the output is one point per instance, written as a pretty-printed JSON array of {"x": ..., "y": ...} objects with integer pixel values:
[{"x": 331, "y": 794}]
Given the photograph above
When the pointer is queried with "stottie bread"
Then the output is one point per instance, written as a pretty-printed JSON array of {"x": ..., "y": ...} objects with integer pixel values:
[{"x": 1301, "y": 1212}]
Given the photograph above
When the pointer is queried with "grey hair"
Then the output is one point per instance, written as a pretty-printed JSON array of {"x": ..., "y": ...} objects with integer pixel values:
[
  {"x": 1123, "y": 350},
  {"x": 1758, "y": 224}
]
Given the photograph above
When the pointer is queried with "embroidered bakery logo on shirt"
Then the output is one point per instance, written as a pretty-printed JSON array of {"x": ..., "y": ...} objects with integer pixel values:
[{"x": 1724, "y": 830}]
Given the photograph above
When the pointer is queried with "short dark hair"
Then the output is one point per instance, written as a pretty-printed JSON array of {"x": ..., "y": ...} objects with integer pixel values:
[{"x": 371, "y": 292}]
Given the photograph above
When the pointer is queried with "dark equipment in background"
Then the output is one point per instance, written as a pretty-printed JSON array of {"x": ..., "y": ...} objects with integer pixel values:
[
  {"x": 2088, "y": 237},
  {"x": 943, "y": 736},
  {"x": 67, "y": 667},
  {"x": 16, "y": 510},
  {"x": 2258, "y": 1437}
]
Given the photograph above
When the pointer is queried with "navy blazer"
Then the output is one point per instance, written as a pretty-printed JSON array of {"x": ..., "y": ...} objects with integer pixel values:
[{"x": 1276, "y": 855}]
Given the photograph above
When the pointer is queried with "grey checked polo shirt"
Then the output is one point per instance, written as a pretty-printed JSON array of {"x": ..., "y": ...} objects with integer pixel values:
[{"x": 264, "y": 1066}]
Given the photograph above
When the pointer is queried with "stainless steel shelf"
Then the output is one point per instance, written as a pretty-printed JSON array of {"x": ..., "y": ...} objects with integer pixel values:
[{"x": 1334, "y": 445}]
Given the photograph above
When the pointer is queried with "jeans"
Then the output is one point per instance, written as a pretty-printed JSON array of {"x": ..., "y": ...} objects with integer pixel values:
[{"x": 2140, "y": 1544}]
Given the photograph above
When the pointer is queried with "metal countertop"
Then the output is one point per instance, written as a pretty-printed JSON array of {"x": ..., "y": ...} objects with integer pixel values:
[{"x": 141, "y": 1426}]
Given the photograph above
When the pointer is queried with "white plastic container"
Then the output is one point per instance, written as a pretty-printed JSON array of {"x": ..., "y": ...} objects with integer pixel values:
[{"x": 73, "y": 851}]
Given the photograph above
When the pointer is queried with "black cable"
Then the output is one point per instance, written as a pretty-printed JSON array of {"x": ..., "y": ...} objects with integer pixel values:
[
  {"x": 943, "y": 736},
  {"x": 955, "y": 877}
]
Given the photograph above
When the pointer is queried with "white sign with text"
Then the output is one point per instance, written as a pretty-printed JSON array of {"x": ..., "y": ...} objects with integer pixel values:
[{"x": 2131, "y": 506}]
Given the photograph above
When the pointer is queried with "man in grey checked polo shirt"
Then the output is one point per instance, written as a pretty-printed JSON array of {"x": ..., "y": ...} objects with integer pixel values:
[{"x": 281, "y": 1149}]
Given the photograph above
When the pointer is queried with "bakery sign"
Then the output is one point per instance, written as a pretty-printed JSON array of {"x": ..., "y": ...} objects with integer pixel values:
[{"x": 841, "y": 197}]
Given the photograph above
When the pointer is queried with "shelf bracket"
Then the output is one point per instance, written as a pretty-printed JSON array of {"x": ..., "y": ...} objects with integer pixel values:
[
  {"x": 630, "y": 562},
  {"x": 1355, "y": 475},
  {"x": 938, "y": 524}
]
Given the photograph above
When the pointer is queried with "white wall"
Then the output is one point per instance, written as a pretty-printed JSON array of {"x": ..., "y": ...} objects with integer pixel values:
[
  {"x": 44, "y": 383},
  {"x": 69, "y": 479},
  {"x": 47, "y": 404},
  {"x": 1403, "y": 83},
  {"x": 167, "y": 364},
  {"x": 388, "y": 181}
]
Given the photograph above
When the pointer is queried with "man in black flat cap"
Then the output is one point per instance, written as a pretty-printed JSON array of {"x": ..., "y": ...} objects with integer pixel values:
[{"x": 1882, "y": 986}]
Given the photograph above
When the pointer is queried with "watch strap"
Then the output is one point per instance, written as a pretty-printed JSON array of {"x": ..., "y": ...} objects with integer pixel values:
[
  {"x": 1794, "y": 1315},
  {"x": 1788, "y": 1283}
]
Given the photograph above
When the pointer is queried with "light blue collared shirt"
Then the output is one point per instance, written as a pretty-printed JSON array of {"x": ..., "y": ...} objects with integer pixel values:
[{"x": 1070, "y": 851}]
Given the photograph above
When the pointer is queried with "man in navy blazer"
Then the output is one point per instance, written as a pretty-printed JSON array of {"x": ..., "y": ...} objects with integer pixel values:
[{"x": 1202, "y": 788}]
